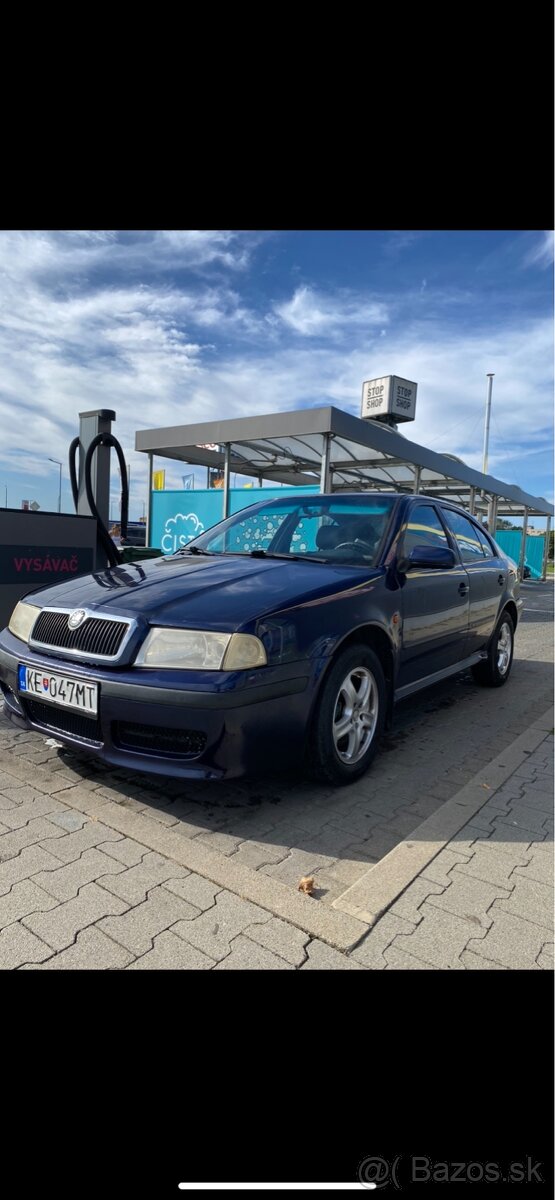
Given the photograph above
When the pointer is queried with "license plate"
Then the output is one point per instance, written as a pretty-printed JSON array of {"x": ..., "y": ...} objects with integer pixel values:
[{"x": 58, "y": 689}]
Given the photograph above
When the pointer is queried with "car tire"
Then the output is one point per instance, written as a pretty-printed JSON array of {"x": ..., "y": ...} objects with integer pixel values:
[
  {"x": 494, "y": 671},
  {"x": 349, "y": 717}
]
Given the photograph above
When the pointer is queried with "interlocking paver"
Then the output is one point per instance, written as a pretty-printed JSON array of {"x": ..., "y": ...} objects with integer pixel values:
[
  {"x": 440, "y": 868},
  {"x": 214, "y": 930},
  {"x": 378, "y": 844},
  {"x": 199, "y": 892},
  {"x": 439, "y": 939},
  {"x": 31, "y": 860},
  {"x": 91, "y": 951},
  {"x": 171, "y": 953},
  {"x": 13, "y": 842},
  {"x": 21, "y": 814},
  {"x": 18, "y": 945},
  {"x": 399, "y": 960},
  {"x": 477, "y": 962},
  {"x": 321, "y": 957},
  {"x": 257, "y": 854},
  {"x": 297, "y": 864},
  {"x": 65, "y": 882},
  {"x": 512, "y": 941},
  {"x": 371, "y": 951},
  {"x": 125, "y": 851},
  {"x": 522, "y": 816},
  {"x": 71, "y": 846},
  {"x": 470, "y": 898},
  {"x": 139, "y": 925},
  {"x": 539, "y": 866},
  {"x": 134, "y": 884},
  {"x": 281, "y": 938},
  {"x": 529, "y": 899},
  {"x": 21, "y": 794},
  {"x": 8, "y": 781},
  {"x": 68, "y": 820},
  {"x": 492, "y": 865},
  {"x": 409, "y": 903},
  {"x": 23, "y": 898},
  {"x": 247, "y": 955},
  {"x": 545, "y": 957},
  {"x": 59, "y": 928}
]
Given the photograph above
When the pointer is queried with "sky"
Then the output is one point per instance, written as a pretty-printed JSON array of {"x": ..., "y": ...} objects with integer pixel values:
[{"x": 170, "y": 327}]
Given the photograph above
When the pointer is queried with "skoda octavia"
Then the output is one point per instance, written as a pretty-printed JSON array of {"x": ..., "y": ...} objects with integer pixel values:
[{"x": 281, "y": 636}]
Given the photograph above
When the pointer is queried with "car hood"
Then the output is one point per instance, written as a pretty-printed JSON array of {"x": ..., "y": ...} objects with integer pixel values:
[{"x": 220, "y": 592}]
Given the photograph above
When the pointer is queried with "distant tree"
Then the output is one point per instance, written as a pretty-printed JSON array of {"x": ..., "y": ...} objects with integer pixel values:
[{"x": 502, "y": 524}]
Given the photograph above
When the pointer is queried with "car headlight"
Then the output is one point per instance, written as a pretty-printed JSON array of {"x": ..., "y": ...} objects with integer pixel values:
[
  {"x": 22, "y": 620},
  {"x": 191, "y": 649}
]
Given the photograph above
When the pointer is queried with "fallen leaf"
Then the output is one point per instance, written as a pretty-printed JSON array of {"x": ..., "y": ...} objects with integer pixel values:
[{"x": 306, "y": 885}]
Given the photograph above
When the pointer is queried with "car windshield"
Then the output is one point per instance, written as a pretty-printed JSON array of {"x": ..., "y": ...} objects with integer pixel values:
[{"x": 347, "y": 530}]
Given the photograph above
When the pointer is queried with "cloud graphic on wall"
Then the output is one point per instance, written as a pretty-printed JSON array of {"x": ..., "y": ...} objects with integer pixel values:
[{"x": 179, "y": 530}]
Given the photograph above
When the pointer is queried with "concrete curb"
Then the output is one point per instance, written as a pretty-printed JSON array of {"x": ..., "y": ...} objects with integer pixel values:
[{"x": 370, "y": 897}]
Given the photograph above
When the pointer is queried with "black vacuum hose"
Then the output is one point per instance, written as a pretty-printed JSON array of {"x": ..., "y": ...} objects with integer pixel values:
[{"x": 101, "y": 439}]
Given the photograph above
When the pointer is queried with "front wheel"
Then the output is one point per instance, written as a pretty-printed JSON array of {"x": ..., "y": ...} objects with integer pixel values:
[
  {"x": 349, "y": 718},
  {"x": 494, "y": 671}
]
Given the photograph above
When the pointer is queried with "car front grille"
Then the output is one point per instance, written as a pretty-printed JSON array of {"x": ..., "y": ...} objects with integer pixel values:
[
  {"x": 158, "y": 739},
  {"x": 62, "y": 720},
  {"x": 97, "y": 636}
]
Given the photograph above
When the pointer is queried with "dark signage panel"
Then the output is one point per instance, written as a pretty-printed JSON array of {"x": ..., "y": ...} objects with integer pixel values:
[
  {"x": 40, "y": 549},
  {"x": 43, "y": 564}
]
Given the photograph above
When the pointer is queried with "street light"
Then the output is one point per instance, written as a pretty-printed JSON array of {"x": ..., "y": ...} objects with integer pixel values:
[
  {"x": 59, "y": 464},
  {"x": 4, "y": 485}
]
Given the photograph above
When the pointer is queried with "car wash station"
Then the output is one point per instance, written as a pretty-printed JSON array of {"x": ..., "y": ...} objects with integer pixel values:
[
  {"x": 310, "y": 450},
  {"x": 329, "y": 450}
]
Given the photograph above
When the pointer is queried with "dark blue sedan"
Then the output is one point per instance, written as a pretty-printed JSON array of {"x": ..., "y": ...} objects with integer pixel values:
[{"x": 282, "y": 636}]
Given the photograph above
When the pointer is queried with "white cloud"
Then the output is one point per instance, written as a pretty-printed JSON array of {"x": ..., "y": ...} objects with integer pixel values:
[
  {"x": 541, "y": 254},
  {"x": 149, "y": 349},
  {"x": 313, "y": 314}
]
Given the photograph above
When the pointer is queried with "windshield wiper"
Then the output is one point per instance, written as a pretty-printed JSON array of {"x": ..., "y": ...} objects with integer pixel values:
[
  {"x": 192, "y": 550},
  {"x": 290, "y": 557},
  {"x": 268, "y": 554}
]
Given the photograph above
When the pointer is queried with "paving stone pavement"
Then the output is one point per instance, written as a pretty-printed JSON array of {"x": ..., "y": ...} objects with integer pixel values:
[{"x": 77, "y": 894}]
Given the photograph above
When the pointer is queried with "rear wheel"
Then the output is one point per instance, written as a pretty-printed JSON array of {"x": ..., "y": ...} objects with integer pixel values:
[
  {"x": 494, "y": 671},
  {"x": 349, "y": 718}
]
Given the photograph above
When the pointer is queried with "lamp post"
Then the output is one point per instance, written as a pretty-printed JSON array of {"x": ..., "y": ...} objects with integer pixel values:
[
  {"x": 6, "y": 487},
  {"x": 59, "y": 464},
  {"x": 486, "y": 428}
]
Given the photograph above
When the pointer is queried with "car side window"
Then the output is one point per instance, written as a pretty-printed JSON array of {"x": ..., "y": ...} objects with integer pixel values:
[
  {"x": 423, "y": 528},
  {"x": 466, "y": 535},
  {"x": 486, "y": 545}
]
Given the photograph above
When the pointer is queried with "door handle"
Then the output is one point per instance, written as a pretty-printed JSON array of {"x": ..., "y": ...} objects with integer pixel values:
[
  {"x": 500, "y": 579},
  {"x": 463, "y": 588}
]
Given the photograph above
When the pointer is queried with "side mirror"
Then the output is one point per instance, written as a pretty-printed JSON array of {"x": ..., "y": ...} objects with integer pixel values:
[{"x": 439, "y": 557}]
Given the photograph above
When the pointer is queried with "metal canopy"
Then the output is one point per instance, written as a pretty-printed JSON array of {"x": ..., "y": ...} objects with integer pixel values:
[{"x": 337, "y": 451}]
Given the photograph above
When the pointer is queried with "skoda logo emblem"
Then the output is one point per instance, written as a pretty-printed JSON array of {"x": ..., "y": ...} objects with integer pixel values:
[{"x": 76, "y": 618}]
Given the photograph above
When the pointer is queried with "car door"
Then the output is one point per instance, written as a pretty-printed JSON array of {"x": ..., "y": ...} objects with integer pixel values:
[
  {"x": 434, "y": 602},
  {"x": 487, "y": 576}
]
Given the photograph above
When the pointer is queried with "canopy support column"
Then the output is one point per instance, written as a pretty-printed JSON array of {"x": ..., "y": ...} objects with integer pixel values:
[
  {"x": 546, "y": 548},
  {"x": 417, "y": 475},
  {"x": 227, "y": 460},
  {"x": 325, "y": 471},
  {"x": 472, "y": 502},
  {"x": 523, "y": 544},
  {"x": 149, "y": 499}
]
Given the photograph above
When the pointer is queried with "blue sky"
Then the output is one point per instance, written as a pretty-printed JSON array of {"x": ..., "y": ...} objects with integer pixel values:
[{"x": 170, "y": 327}]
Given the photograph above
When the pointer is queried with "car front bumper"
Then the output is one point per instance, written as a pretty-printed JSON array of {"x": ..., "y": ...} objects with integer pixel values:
[{"x": 191, "y": 725}]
